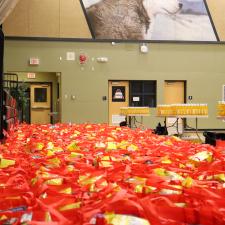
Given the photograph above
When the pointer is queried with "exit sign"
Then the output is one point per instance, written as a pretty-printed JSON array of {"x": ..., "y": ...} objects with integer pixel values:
[
  {"x": 31, "y": 75},
  {"x": 34, "y": 61}
]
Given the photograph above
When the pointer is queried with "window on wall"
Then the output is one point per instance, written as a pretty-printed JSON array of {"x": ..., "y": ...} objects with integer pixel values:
[
  {"x": 143, "y": 93},
  {"x": 40, "y": 94}
]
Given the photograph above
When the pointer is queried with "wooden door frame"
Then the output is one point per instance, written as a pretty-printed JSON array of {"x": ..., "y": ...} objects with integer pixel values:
[
  {"x": 51, "y": 98},
  {"x": 116, "y": 80}
]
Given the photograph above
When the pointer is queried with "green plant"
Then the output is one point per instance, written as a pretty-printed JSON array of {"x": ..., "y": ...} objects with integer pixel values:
[
  {"x": 20, "y": 94},
  {"x": 21, "y": 98}
]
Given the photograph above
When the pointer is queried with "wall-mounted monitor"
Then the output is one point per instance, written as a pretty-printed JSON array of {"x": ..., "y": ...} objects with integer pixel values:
[{"x": 150, "y": 20}]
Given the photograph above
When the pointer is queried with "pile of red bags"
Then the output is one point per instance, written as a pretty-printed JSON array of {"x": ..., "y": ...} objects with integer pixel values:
[{"x": 99, "y": 174}]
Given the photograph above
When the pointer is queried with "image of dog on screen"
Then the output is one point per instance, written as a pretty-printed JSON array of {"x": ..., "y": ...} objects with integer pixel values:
[
  {"x": 126, "y": 19},
  {"x": 149, "y": 20}
]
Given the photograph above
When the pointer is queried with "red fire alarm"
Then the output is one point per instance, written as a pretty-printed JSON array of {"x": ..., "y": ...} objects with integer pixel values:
[{"x": 82, "y": 58}]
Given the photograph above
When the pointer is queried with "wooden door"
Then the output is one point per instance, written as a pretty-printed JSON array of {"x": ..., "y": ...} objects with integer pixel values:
[
  {"x": 174, "y": 92},
  {"x": 40, "y": 103},
  {"x": 118, "y": 97}
]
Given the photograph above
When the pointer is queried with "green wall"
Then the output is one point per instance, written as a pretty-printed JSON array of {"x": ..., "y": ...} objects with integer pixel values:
[{"x": 201, "y": 65}]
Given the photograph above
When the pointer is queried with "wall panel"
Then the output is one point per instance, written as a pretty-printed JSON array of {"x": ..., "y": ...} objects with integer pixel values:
[
  {"x": 72, "y": 20},
  {"x": 47, "y": 18},
  {"x": 217, "y": 11},
  {"x": 17, "y": 24},
  {"x": 44, "y": 18}
]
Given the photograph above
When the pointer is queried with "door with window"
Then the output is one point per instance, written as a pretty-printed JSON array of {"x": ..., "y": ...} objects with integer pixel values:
[
  {"x": 118, "y": 97},
  {"x": 40, "y": 103}
]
